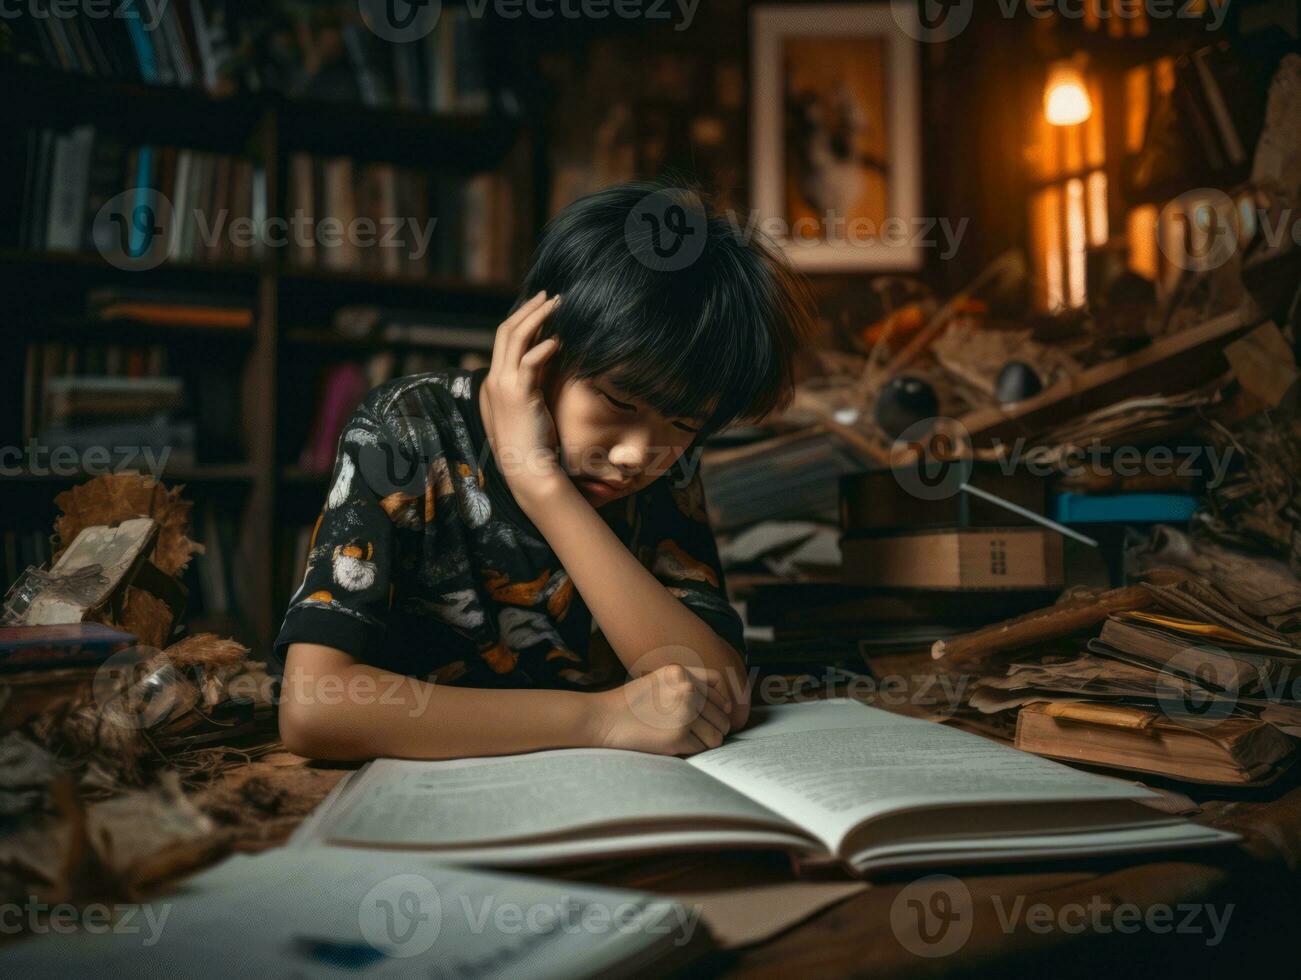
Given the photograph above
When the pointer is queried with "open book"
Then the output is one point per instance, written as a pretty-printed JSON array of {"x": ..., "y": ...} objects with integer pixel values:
[{"x": 827, "y": 781}]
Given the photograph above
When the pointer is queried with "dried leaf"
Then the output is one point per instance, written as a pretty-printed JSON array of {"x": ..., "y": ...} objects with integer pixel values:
[
  {"x": 146, "y": 616},
  {"x": 113, "y": 497}
]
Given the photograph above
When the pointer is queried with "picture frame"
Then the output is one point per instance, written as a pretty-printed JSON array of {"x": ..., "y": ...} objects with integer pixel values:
[{"x": 835, "y": 134}]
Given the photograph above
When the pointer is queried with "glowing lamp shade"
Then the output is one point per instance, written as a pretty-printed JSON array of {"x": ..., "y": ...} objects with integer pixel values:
[{"x": 1066, "y": 98}]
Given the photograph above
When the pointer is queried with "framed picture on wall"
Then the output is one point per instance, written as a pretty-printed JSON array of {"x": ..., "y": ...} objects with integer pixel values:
[{"x": 835, "y": 128}]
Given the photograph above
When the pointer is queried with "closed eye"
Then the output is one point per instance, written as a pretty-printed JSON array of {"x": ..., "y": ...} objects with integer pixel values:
[
  {"x": 625, "y": 407},
  {"x": 622, "y": 406}
]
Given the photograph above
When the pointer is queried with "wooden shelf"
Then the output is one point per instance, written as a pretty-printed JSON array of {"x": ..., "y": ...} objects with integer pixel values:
[
  {"x": 447, "y": 286},
  {"x": 44, "y": 287},
  {"x": 250, "y": 272},
  {"x": 88, "y": 329},
  {"x": 73, "y": 263},
  {"x": 499, "y": 290},
  {"x": 323, "y": 340},
  {"x": 461, "y": 141},
  {"x": 211, "y": 473},
  {"x": 42, "y": 96}
]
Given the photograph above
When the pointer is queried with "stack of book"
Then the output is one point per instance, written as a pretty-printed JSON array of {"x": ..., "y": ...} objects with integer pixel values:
[
  {"x": 93, "y": 413},
  {"x": 53, "y": 360},
  {"x": 785, "y": 476},
  {"x": 1186, "y": 685},
  {"x": 204, "y": 206}
]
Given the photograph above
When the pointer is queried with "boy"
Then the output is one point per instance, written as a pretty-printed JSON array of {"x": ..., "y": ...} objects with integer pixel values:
[{"x": 480, "y": 524}]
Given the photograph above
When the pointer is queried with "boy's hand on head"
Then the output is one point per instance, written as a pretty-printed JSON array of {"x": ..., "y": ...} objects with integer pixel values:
[
  {"x": 520, "y": 429},
  {"x": 674, "y": 710}
]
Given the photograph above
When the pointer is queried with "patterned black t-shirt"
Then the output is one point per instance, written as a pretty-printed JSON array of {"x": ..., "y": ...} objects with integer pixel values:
[{"x": 423, "y": 563}]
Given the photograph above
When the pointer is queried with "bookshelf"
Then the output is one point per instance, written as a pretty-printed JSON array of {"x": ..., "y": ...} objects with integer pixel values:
[{"x": 261, "y": 488}]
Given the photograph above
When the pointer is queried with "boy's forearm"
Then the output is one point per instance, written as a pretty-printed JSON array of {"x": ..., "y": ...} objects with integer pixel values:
[
  {"x": 645, "y": 634},
  {"x": 333, "y": 707}
]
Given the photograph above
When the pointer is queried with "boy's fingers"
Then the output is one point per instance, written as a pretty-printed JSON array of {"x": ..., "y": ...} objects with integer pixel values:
[
  {"x": 502, "y": 337},
  {"x": 519, "y": 336},
  {"x": 525, "y": 308},
  {"x": 708, "y": 736},
  {"x": 711, "y": 683},
  {"x": 716, "y": 717},
  {"x": 531, "y": 363},
  {"x": 712, "y": 695}
]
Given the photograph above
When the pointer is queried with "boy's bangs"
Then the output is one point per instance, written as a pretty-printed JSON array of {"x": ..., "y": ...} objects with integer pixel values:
[{"x": 705, "y": 381}]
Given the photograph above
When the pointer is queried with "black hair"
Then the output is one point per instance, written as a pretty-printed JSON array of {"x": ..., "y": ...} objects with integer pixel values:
[{"x": 713, "y": 341}]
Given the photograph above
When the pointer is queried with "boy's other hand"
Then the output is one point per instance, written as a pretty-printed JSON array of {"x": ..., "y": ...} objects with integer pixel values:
[
  {"x": 520, "y": 429},
  {"x": 673, "y": 710}
]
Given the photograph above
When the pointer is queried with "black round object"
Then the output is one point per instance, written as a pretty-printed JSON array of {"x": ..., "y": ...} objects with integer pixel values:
[
  {"x": 905, "y": 401},
  {"x": 1017, "y": 382}
]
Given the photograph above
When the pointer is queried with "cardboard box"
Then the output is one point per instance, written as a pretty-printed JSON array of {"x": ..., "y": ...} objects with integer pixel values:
[{"x": 986, "y": 558}]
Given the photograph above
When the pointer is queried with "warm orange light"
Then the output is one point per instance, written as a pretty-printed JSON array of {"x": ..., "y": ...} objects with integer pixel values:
[{"x": 1066, "y": 97}]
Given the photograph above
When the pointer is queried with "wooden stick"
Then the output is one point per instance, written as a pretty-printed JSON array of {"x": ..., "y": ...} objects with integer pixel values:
[{"x": 1043, "y": 624}]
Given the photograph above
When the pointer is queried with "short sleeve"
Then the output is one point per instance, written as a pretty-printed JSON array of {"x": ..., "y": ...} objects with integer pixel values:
[
  {"x": 344, "y": 598},
  {"x": 677, "y": 544}
]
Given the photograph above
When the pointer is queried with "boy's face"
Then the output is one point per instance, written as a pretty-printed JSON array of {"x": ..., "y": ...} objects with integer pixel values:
[{"x": 607, "y": 436}]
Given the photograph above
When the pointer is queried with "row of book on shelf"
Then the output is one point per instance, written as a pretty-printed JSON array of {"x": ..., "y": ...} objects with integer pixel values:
[
  {"x": 87, "y": 190},
  {"x": 323, "y": 50},
  {"x": 399, "y": 221},
  {"x": 84, "y": 190}
]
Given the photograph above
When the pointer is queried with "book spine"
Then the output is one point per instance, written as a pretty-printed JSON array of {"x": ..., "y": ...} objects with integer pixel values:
[{"x": 142, "y": 43}]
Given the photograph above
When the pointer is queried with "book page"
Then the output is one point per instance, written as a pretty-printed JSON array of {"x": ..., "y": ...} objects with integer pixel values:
[
  {"x": 336, "y": 912},
  {"x": 830, "y": 765},
  {"x": 513, "y": 798}
]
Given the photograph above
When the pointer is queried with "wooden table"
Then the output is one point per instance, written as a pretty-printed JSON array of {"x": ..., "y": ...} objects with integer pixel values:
[{"x": 1056, "y": 919}]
